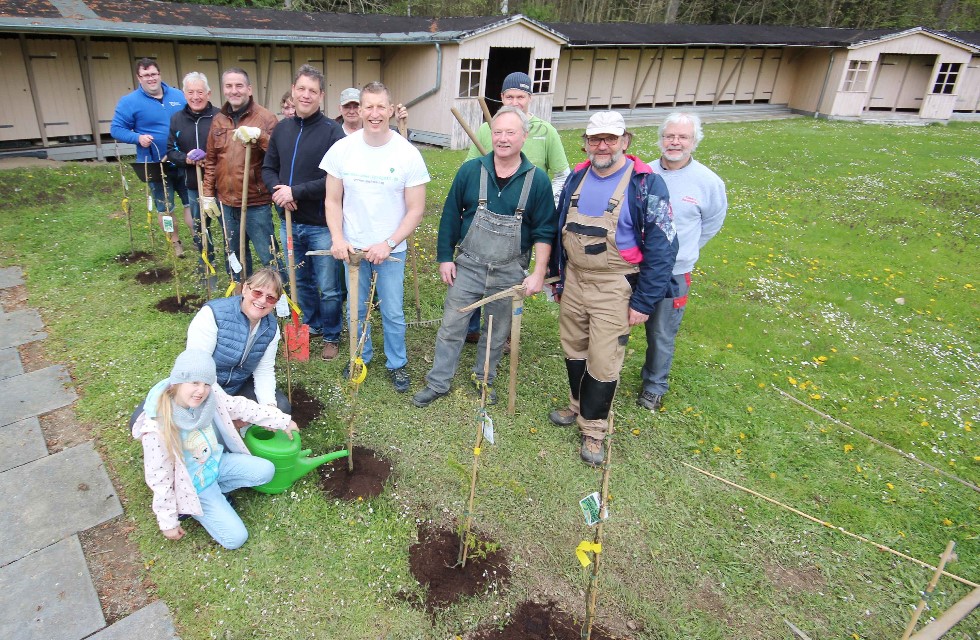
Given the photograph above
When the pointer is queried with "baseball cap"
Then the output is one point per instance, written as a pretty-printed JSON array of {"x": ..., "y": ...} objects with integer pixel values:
[
  {"x": 606, "y": 122},
  {"x": 350, "y": 95}
]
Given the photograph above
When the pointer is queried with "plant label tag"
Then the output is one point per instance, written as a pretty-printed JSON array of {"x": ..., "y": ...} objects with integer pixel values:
[
  {"x": 168, "y": 224},
  {"x": 282, "y": 307},
  {"x": 233, "y": 262},
  {"x": 487, "y": 427},
  {"x": 125, "y": 185},
  {"x": 149, "y": 203},
  {"x": 591, "y": 508}
]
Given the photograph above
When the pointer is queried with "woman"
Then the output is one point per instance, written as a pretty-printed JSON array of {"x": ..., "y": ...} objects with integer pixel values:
[
  {"x": 192, "y": 453},
  {"x": 242, "y": 335}
]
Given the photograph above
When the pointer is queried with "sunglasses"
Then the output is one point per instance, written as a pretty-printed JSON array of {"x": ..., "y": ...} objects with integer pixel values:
[{"x": 258, "y": 295}]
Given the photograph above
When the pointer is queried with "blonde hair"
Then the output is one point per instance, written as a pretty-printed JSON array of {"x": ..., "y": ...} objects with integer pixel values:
[
  {"x": 165, "y": 418},
  {"x": 266, "y": 277}
]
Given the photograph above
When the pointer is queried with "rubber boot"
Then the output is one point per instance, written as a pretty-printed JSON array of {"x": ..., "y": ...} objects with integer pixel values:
[
  {"x": 595, "y": 403},
  {"x": 566, "y": 417}
]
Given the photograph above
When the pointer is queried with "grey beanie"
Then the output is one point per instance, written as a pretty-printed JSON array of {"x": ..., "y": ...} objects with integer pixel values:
[
  {"x": 517, "y": 80},
  {"x": 193, "y": 365}
]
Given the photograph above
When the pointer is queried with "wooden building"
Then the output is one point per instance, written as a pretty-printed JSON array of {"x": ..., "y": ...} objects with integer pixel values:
[{"x": 65, "y": 63}]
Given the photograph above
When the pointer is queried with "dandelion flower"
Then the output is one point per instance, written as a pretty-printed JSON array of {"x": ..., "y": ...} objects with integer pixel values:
[
  {"x": 716, "y": 449},
  {"x": 772, "y": 475},
  {"x": 947, "y": 522},
  {"x": 848, "y": 448},
  {"x": 889, "y": 485},
  {"x": 749, "y": 409}
]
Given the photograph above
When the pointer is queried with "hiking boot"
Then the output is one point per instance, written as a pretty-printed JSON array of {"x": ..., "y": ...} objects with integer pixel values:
[
  {"x": 592, "y": 451},
  {"x": 426, "y": 396},
  {"x": 650, "y": 401},
  {"x": 399, "y": 378},
  {"x": 563, "y": 417},
  {"x": 507, "y": 346},
  {"x": 473, "y": 337},
  {"x": 478, "y": 386},
  {"x": 178, "y": 249},
  {"x": 330, "y": 351}
]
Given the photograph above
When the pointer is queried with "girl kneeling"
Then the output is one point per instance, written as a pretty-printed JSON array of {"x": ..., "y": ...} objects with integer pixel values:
[{"x": 192, "y": 453}]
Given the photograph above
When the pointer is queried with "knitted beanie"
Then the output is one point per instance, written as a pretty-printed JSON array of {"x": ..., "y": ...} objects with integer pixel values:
[
  {"x": 517, "y": 80},
  {"x": 193, "y": 365}
]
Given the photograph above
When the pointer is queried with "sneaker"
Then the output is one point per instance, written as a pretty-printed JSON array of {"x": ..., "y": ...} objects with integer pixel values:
[
  {"x": 650, "y": 401},
  {"x": 478, "y": 386},
  {"x": 473, "y": 337},
  {"x": 563, "y": 417},
  {"x": 592, "y": 451},
  {"x": 399, "y": 378},
  {"x": 426, "y": 396},
  {"x": 330, "y": 351}
]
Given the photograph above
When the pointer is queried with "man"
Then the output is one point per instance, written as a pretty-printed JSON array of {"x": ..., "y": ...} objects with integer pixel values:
[
  {"x": 292, "y": 174},
  {"x": 498, "y": 207},
  {"x": 188, "y": 137},
  {"x": 543, "y": 148},
  {"x": 239, "y": 122},
  {"x": 699, "y": 203},
  {"x": 350, "y": 111},
  {"x": 375, "y": 199},
  {"x": 142, "y": 118},
  {"x": 614, "y": 255}
]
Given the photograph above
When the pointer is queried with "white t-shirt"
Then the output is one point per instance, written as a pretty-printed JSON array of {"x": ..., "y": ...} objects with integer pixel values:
[{"x": 375, "y": 179}]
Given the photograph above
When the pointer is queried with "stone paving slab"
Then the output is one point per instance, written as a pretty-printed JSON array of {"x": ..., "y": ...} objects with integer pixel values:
[
  {"x": 49, "y": 596},
  {"x": 152, "y": 622},
  {"x": 53, "y": 497},
  {"x": 34, "y": 393},
  {"x": 20, "y": 443},
  {"x": 11, "y": 277},
  {"x": 20, "y": 327},
  {"x": 10, "y": 364}
]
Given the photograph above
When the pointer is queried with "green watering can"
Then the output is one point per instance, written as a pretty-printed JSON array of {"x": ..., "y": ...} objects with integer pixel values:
[{"x": 291, "y": 460}]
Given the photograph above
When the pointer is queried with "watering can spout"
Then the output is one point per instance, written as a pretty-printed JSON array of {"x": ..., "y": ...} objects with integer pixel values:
[{"x": 306, "y": 464}]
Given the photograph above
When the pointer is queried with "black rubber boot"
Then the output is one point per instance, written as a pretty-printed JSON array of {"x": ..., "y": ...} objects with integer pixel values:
[
  {"x": 596, "y": 398},
  {"x": 576, "y": 371}
]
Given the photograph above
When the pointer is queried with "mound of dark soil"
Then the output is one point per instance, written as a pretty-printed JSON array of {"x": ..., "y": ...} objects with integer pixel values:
[
  {"x": 187, "y": 304},
  {"x": 371, "y": 471},
  {"x": 536, "y": 621},
  {"x": 132, "y": 258},
  {"x": 433, "y": 563},
  {"x": 155, "y": 276},
  {"x": 306, "y": 408}
]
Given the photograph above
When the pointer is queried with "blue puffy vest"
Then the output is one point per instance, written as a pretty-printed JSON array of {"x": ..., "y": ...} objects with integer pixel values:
[{"x": 234, "y": 365}]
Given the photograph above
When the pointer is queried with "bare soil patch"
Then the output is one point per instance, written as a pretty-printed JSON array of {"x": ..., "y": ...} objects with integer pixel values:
[
  {"x": 536, "y": 621},
  {"x": 33, "y": 356},
  {"x": 116, "y": 567},
  {"x": 806, "y": 579},
  {"x": 433, "y": 563},
  {"x": 306, "y": 408},
  {"x": 132, "y": 258},
  {"x": 62, "y": 430},
  {"x": 187, "y": 304},
  {"x": 155, "y": 275},
  {"x": 371, "y": 471},
  {"x": 13, "y": 298}
]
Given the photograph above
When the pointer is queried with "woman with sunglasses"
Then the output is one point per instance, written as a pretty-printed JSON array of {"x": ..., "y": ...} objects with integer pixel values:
[{"x": 242, "y": 335}]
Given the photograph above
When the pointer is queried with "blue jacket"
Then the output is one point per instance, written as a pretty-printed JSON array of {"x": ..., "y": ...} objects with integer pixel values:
[
  {"x": 653, "y": 224},
  {"x": 233, "y": 363},
  {"x": 139, "y": 112},
  {"x": 188, "y": 131},
  {"x": 296, "y": 148}
]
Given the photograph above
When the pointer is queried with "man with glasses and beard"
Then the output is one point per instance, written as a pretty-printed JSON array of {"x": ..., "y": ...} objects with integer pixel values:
[{"x": 614, "y": 255}]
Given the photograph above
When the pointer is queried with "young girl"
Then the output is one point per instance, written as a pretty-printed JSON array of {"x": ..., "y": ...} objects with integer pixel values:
[{"x": 192, "y": 453}]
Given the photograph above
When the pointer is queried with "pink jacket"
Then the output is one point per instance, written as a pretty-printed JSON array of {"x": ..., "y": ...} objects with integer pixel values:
[{"x": 167, "y": 477}]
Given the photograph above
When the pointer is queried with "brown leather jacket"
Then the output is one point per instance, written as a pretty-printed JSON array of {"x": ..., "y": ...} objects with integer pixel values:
[{"x": 225, "y": 161}]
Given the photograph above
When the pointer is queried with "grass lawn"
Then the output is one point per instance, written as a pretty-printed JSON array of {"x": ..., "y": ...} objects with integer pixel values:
[{"x": 844, "y": 276}]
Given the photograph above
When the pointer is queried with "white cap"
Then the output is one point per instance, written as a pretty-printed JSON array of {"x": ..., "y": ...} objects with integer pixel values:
[
  {"x": 350, "y": 95},
  {"x": 606, "y": 122}
]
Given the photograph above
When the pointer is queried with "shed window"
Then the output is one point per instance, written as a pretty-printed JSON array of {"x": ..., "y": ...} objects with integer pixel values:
[
  {"x": 469, "y": 77},
  {"x": 946, "y": 78},
  {"x": 856, "y": 78},
  {"x": 543, "y": 68}
]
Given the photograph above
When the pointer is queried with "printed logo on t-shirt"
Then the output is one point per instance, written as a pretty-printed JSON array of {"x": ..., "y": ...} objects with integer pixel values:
[{"x": 691, "y": 200}]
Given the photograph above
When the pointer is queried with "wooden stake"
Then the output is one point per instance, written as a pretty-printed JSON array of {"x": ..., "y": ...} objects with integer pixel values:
[
  {"x": 943, "y": 559},
  {"x": 241, "y": 232},
  {"x": 170, "y": 243},
  {"x": 126, "y": 208},
  {"x": 517, "y": 312},
  {"x": 938, "y": 627},
  {"x": 486, "y": 110},
  {"x": 469, "y": 132},
  {"x": 880, "y": 547},
  {"x": 593, "y": 593},
  {"x": 464, "y": 538},
  {"x": 358, "y": 349},
  {"x": 204, "y": 239}
]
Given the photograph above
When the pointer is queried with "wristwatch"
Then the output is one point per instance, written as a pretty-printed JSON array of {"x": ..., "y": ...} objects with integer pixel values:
[{"x": 391, "y": 243}]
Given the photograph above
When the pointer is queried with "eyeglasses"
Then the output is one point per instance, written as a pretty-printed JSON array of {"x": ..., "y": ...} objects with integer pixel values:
[
  {"x": 679, "y": 137},
  {"x": 595, "y": 141},
  {"x": 149, "y": 76},
  {"x": 258, "y": 295}
]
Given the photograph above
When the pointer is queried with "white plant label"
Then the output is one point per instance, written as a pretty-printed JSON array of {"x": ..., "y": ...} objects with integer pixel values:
[
  {"x": 591, "y": 508},
  {"x": 487, "y": 427},
  {"x": 149, "y": 203},
  {"x": 168, "y": 224},
  {"x": 282, "y": 307},
  {"x": 233, "y": 262}
]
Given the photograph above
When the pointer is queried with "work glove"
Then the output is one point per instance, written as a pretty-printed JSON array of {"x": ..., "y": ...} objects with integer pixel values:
[
  {"x": 210, "y": 207},
  {"x": 195, "y": 155},
  {"x": 247, "y": 135}
]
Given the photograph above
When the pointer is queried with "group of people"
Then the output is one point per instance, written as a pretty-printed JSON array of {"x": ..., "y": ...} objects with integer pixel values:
[{"x": 619, "y": 236}]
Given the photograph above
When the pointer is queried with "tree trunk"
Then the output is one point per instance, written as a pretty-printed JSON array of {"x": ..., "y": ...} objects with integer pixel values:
[{"x": 670, "y": 15}]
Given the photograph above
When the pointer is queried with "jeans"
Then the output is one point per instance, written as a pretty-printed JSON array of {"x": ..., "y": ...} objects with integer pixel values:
[
  {"x": 474, "y": 281},
  {"x": 661, "y": 329},
  {"x": 391, "y": 293},
  {"x": 247, "y": 390},
  {"x": 175, "y": 183},
  {"x": 195, "y": 205},
  {"x": 236, "y": 470},
  {"x": 258, "y": 229},
  {"x": 317, "y": 280}
]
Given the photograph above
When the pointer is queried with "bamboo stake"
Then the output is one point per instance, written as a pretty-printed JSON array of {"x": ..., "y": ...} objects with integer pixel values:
[
  {"x": 465, "y": 538},
  {"x": 170, "y": 244},
  {"x": 150, "y": 209},
  {"x": 208, "y": 267},
  {"x": 353, "y": 374},
  {"x": 878, "y": 546},
  {"x": 593, "y": 593},
  {"x": 943, "y": 559},
  {"x": 126, "y": 208},
  {"x": 877, "y": 441}
]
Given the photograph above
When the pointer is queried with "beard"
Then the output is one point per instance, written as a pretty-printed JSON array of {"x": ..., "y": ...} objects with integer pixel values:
[{"x": 605, "y": 164}]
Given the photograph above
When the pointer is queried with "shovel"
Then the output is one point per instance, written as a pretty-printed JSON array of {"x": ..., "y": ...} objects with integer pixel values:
[
  {"x": 241, "y": 233},
  {"x": 297, "y": 335}
]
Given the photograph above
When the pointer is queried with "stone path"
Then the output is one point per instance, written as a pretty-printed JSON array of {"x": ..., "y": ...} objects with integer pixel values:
[{"x": 47, "y": 592}]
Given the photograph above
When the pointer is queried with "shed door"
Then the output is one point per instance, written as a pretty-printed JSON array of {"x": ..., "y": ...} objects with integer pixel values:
[
  {"x": 901, "y": 82},
  {"x": 504, "y": 61}
]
